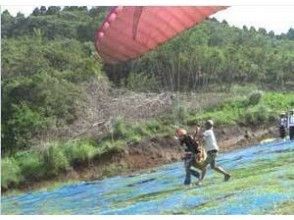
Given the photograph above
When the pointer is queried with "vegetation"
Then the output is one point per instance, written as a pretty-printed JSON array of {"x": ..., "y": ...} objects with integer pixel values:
[
  {"x": 245, "y": 111},
  {"x": 58, "y": 157},
  {"x": 49, "y": 64}
]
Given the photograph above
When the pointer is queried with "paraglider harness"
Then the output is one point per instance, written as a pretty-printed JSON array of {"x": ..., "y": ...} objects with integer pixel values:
[
  {"x": 201, "y": 156},
  {"x": 194, "y": 148}
]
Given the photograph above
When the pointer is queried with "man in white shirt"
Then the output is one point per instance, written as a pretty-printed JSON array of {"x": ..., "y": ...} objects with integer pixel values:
[
  {"x": 212, "y": 149},
  {"x": 291, "y": 124},
  {"x": 283, "y": 121}
]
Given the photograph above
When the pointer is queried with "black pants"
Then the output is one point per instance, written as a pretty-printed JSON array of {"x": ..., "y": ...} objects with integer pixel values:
[
  {"x": 291, "y": 132},
  {"x": 282, "y": 130},
  {"x": 189, "y": 159}
]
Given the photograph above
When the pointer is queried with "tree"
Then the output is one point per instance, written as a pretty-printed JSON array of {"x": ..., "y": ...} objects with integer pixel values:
[
  {"x": 224, "y": 22},
  {"x": 252, "y": 29},
  {"x": 6, "y": 23},
  {"x": 43, "y": 10},
  {"x": 52, "y": 10},
  {"x": 290, "y": 34},
  {"x": 271, "y": 34},
  {"x": 94, "y": 11},
  {"x": 262, "y": 31},
  {"x": 245, "y": 28},
  {"x": 36, "y": 11}
]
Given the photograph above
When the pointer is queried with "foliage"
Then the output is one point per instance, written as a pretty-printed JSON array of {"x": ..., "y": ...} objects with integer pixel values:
[
  {"x": 10, "y": 173},
  {"x": 141, "y": 82},
  {"x": 237, "y": 111},
  {"x": 79, "y": 151},
  {"x": 31, "y": 165},
  {"x": 55, "y": 160},
  {"x": 254, "y": 97},
  {"x": 43, "y": 86}
]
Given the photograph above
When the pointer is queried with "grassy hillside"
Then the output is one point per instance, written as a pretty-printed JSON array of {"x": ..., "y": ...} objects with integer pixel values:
[{"x": 57, "y": 157}]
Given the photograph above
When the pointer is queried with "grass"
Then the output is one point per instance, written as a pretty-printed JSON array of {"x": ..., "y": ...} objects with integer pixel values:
[
  {"x": 246, "y": 110},
  {"x": 58, "y": 157}
]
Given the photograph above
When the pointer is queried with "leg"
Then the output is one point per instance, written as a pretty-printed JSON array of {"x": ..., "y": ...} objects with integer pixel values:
[
  {"x": 203, "y": 173},
  {"x": 204, "y": 166},
  {"x": 291, "y": 132},
  {"x": 188, "y": 172},
  {"x": 195, "y": 173},
  {"x": 283, "y": 132},
  {"x": 218, "y": 168}
]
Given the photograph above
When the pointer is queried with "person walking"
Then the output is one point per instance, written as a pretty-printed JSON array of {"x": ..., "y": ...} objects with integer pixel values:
[{"x": 212, "y": 149}]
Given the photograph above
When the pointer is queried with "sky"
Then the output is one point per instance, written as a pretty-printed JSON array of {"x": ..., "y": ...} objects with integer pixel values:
[{"x": 279, "y": 18}]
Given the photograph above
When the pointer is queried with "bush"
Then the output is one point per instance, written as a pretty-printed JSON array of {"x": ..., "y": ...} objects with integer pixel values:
[
  {"x": 10, "y": 173},
  {"x": 109, "y": 147},
  {"x": 123, "y": 130},
  {"x": 31, "y": 166},
  {"x": 22, "y": 126},
  {"x": 153, "y": 126},
  {"x": 55, "y": 160},
  {"x": 255, "y": 97},
  {"x": 119, "y": 129},
  {"x": 79, "y": 151},
  {"x": 256, "y": 116}
]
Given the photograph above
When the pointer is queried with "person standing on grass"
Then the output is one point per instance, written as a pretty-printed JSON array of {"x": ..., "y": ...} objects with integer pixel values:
[
  {"x": 283, "y": 121},
  {"x": 212, "y": 149},
  {"x": 291, "y": 124}
]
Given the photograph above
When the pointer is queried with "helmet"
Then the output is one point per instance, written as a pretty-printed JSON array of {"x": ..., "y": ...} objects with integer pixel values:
[{"x": 180, "y": 132}]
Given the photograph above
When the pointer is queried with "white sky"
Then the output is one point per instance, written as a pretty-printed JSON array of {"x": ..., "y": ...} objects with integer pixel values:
[{"x": 276, "y": 15}]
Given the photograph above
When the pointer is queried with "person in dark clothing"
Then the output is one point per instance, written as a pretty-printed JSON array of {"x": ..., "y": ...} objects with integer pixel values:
[
  {"x": 291, "y": 124},
  {"x": 283, "y": 125},
  {"x": 191, "y": 151}
]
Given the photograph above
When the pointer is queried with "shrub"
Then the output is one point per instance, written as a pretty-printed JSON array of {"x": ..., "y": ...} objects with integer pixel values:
[
  {"x": 255, "y": 97},
  {"x": 109, "y": 146},
  {"x": 119, "y": 129},
  {"x": 153, "y": 126},
  {"x": 31, "y": 166},
  {"x": 10, "y": 173},
  {"x": 79, "y": 151},
  {"x": 55, "y": 160},
  {"x": 258, "y": 115}
]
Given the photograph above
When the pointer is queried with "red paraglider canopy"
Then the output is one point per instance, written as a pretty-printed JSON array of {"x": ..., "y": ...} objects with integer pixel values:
[{"x": 128, "y": 32}]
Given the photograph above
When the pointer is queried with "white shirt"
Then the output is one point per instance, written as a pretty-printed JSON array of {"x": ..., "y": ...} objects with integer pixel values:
[
  {"x": 283, "y": 122},
  {"x": 290, "y": 121},
  {"x": 210, "y": 141}
]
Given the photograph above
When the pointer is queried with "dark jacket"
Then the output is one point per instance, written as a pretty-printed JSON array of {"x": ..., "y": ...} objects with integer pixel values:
[{"x": 191, "y": 145}]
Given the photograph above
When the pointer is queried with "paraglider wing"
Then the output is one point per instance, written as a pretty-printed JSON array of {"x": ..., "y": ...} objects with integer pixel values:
[{"x": 128, "y": 32}]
